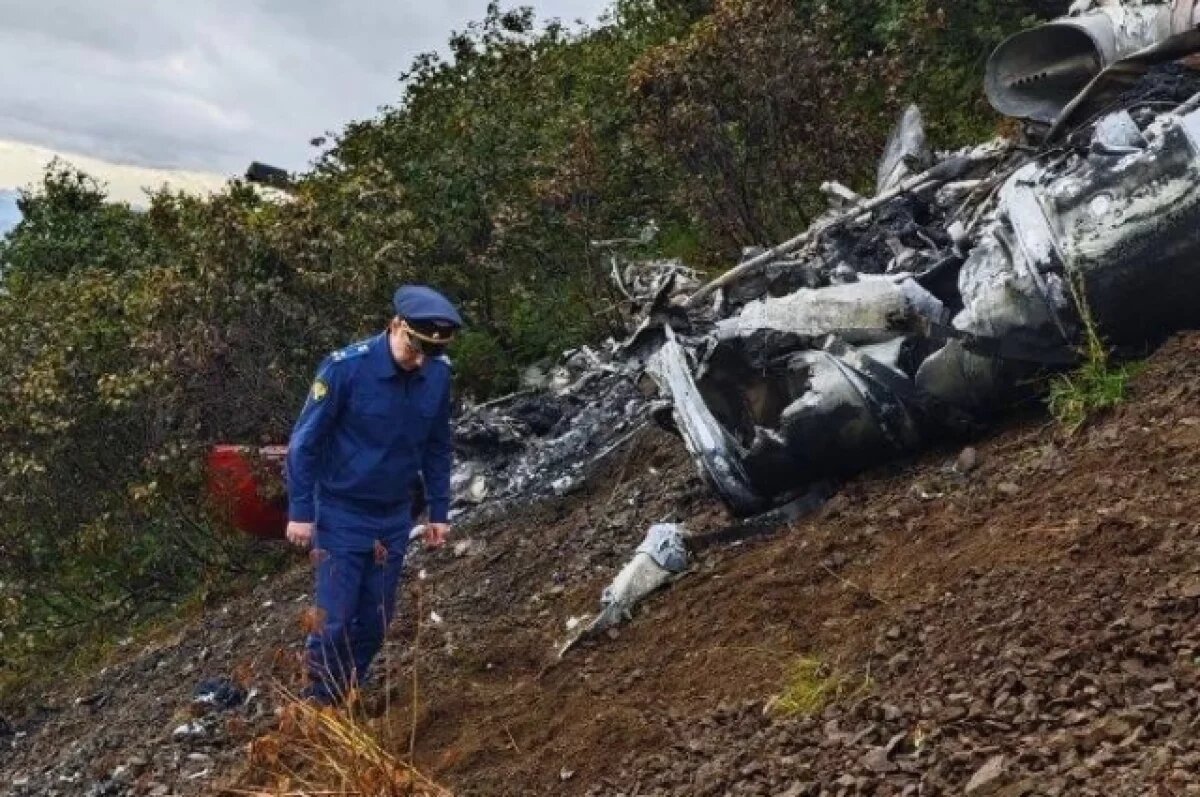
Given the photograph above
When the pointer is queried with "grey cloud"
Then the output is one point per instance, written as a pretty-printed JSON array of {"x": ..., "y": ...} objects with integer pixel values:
[{"x": 217, "y": 84}]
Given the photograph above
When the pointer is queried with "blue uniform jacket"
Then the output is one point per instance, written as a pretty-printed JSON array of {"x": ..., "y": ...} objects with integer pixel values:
[{"x": 367, "y": 430}]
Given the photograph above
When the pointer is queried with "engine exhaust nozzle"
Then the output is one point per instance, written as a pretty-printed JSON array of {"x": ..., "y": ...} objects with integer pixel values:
[{"x": 1036, "y": 73}]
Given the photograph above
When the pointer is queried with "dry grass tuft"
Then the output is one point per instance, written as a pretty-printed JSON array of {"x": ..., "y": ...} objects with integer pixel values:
[{"x": 326, "y": 752}]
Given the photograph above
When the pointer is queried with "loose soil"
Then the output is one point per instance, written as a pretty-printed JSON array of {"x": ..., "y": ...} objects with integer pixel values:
[{"x": 1018, "y": 621}]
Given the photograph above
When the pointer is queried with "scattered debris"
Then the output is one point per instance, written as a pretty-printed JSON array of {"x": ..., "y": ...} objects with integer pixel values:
[
  {"x": 536, "y": 444},
  {"x": 189, "y": 730},
  {"x": 948, "y": 170},
  {"x": 662, "y": 556},
  {"x": 907, "y": 152},
  {"x": 469, "y": 547},
  {"x": 220, "y": 694}
]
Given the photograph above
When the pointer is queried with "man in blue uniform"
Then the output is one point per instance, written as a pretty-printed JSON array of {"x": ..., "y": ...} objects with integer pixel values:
[{"x": 376, "y": 420}]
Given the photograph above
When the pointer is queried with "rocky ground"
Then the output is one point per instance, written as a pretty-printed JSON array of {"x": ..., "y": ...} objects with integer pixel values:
[{"x": 1017, "y": 619}]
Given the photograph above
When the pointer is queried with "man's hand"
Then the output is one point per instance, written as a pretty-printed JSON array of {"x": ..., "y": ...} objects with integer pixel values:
[
  {"x": 435, "y": 534},
  {"x": 300, "y": 534}
]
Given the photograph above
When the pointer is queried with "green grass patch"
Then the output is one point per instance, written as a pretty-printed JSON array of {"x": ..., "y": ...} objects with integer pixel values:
[
  {"x": 812, "y": 684},
  {"x": 1096, "y": 385}
]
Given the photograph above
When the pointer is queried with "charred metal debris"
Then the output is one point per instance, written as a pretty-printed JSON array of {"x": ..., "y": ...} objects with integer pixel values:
[
  {"x": 919, "y": 313},
  {"x": 895, "y": 319},
  {"x": 909, "y": 316},
  {"x": 906, "y": 316}
]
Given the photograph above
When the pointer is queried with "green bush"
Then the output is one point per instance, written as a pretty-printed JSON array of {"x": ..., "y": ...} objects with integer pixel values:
[{"x": 763, "y": 100}]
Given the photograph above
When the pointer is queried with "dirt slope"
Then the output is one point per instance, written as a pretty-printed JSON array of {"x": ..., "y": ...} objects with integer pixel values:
[{"x": 1029, "y": 627}]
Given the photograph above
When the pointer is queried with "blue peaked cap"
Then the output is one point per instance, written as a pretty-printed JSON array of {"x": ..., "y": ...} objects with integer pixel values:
[{"x": 422, "y": 303}]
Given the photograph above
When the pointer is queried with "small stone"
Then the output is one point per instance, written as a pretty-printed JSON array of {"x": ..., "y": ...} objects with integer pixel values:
[
  {"x": 1061, "y": 742},
  {"x": 1076, "y": 717},
  {"x": 751, "y": 769},
  {"x": 1008, "y": 488},
  {"x": 1142, "y": 622},
  {"x": 796, "y": 790},
  {"x": 1025, "y": 788},
  {"x": 968, "y": 460},
  {"x": 566, "y": 774},
  {"x": 987, "y": 778},
  {"x": 189, "y": 730},
  {"x": 1109, "y": 729},
  {"x": 1079, "y": 773},
  {"x": 953, "y": 714},
  {"x": 878, "y": 761}
]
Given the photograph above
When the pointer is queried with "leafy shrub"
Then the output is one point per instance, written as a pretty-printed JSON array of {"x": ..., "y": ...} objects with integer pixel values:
[{"x": 760, "y": 102}]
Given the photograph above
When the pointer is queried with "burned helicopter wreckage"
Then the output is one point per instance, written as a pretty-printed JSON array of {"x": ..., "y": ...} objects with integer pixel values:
[
  {"x": 830, "y": 353},
  {"x": 919, "y": 313},
  {"x": 901, "y": 318},
  {"x": 915, "y": 313}
]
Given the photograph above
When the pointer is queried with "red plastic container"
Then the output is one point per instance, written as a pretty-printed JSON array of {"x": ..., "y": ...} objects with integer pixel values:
[{"x": 234, "y": 488}]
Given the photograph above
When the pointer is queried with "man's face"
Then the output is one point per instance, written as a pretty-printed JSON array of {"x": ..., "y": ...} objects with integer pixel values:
[
  {"x": 405, "y": 349},
  {"x": 414, "y": 345},
  {"x": 425, "y": 341}
]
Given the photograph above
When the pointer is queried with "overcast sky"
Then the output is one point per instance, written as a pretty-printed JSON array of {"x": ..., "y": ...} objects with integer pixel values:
[{"x": 212, "y": 85}]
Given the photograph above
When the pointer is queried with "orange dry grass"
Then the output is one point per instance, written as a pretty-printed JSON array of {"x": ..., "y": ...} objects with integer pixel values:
[{"x": 323, "y": 752}]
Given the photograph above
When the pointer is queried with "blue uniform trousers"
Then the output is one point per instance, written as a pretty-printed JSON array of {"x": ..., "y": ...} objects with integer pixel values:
[{"x": 356, "y": 600}]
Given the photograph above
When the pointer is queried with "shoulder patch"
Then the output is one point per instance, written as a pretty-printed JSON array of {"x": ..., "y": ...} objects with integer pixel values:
[
  {"x": 319, "y": 390},
  {"x": 350, "y": 352}
]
